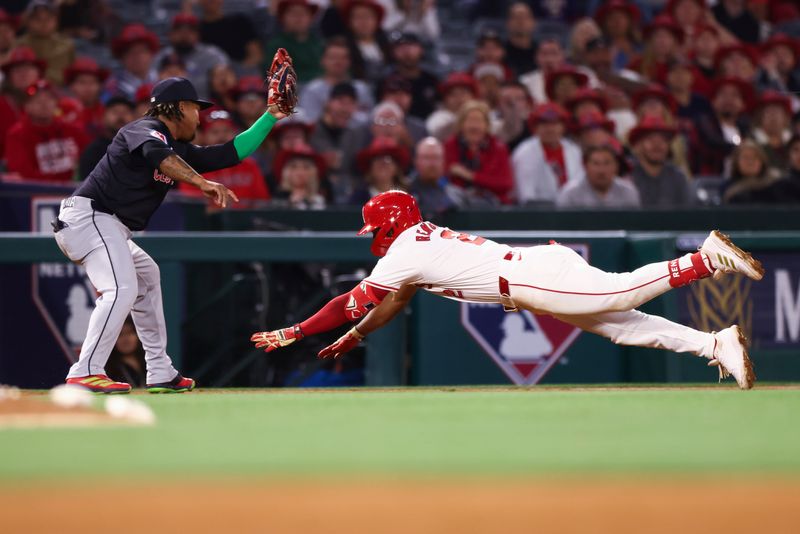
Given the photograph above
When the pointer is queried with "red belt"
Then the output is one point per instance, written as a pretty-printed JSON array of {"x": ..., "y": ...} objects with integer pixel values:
[{"x": 511, "y": 255}]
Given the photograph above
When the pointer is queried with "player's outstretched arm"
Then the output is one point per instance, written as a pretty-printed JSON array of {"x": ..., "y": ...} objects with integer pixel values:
[
  {"x": 177, "y": 169},
  {"x": 374, "y": 320}
]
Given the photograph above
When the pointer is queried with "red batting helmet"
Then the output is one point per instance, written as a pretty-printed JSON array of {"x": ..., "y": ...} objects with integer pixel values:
[{"x": 387, "y": 215}]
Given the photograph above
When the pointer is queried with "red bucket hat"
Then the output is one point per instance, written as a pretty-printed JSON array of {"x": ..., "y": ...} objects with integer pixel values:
[
  {"x": 303, "y": 151},
  {"x": 552, "y": 77},
  {"x": 132, "y": 34},
  {"x": 84, "y": 65},
  {"x": 651, "y": 124},
  {"x": 383, "y": 146},
  {"x": 22, "y": 55}
]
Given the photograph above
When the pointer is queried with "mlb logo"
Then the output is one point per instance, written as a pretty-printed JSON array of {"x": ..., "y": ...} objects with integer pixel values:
[{"x": 525, "y": 346}]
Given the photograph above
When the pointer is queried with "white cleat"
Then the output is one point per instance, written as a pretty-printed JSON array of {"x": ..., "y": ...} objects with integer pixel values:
[
  {"x": 725, "y": 257},
  {"x": 730, "y": 355}
]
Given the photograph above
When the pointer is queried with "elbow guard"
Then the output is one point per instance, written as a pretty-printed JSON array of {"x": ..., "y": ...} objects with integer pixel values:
[{"x": 362, "y": 299}]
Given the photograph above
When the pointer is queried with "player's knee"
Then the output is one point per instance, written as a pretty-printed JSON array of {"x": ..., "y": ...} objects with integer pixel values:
[
  {"x": 126, "y": 295},
  {"x": 150, "y": 273}
]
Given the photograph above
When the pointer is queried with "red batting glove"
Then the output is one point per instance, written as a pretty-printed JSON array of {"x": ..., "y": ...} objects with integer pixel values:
[
  {"x": 346, "y": 343},
  {"x": 270, "y": 341}
]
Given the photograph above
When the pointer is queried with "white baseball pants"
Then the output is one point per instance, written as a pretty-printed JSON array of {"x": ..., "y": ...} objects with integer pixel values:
[
  {"x": 128, "y": 281},
  {"x": 556, "y": 280}
]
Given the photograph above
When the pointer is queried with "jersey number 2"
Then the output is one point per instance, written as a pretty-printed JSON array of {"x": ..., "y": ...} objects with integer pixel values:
[{"x": 464, "y": 238}]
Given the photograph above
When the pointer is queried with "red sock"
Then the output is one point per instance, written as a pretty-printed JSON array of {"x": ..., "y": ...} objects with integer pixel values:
[{"x": 687, "y": 269}]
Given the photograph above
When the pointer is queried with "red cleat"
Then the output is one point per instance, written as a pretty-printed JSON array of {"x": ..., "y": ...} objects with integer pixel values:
[
  {"x": 178, "y": 384},
  {"x": 100, "y": 384}
]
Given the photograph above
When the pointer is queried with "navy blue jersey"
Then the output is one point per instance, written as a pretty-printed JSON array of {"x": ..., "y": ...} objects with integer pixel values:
[{"x": 126, "y": 184}]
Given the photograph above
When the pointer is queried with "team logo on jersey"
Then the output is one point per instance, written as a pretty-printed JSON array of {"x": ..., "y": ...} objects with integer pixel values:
[
  {"x": 61, "y": 291},
  {"x": 524, "y": 345},
  {"x": 158, "y": 135}
]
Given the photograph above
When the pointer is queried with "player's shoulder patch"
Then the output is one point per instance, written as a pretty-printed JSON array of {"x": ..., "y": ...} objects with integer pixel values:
[{"x": 158, "y": 135}]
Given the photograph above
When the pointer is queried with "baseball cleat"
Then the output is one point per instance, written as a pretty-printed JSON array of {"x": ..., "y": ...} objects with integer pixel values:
[
  {"x": 100, "y": 384},
  {"x": 730, "y": 355},
  {"x": 725, "y": 257},
  {"x": 178, "y": 384}
]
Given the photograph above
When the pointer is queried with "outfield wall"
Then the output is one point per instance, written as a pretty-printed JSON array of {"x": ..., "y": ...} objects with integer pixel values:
[{"x": 438, "y": 341}]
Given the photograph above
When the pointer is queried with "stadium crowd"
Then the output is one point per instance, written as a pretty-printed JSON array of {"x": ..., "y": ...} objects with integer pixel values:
[{"x": 611, "y": 103}]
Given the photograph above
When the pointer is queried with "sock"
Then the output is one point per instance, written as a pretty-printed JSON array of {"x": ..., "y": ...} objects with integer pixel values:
[{"x": 687, "y": 269}]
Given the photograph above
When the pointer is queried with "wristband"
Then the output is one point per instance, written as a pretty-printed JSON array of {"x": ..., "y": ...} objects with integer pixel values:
[{"x": 356, "y": 334}]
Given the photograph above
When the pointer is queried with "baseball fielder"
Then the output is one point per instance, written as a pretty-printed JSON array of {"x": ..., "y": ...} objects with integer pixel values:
[
  {"x": 143, "y": 162},
  {"x": 548, "y": 279}
]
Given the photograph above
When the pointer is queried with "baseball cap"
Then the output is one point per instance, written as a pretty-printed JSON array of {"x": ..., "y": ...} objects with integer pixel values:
[
  {"x": 343, "y": 89},
  {"x": 176, "y": 90},
  {"x": 400, "y": 38}
]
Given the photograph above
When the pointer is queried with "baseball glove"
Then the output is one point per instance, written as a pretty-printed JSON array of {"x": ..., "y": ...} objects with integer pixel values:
[{"x": 282, "y": 80}]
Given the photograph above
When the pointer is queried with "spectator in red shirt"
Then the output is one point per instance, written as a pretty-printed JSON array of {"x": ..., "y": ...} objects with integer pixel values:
[
  {"x": 85, "y": 81},
  {"x": 41, "y": 146},
  {"x": 244, "y": 179},
  {"x": 21, "y": 69},
  {"x": 476, "y": 161}
]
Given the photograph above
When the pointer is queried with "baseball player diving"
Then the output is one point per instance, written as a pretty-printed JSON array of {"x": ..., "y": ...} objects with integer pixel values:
[
  {"x": 143, "y": 162},
  {"x": 547, "y": 279}
]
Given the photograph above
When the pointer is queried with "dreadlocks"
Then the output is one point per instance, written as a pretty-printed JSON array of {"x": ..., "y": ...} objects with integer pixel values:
[{"x": 169, "y": 110}]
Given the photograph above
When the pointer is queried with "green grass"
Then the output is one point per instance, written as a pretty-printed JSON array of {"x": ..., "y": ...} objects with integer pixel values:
[{"x": 419, "y": 431}]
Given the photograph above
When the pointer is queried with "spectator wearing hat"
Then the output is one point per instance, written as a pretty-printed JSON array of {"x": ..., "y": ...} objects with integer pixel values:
[
  {"x": 335, "y": 70},
  {"x": 660, "y": 183},
  {"x": 21, "y": 69},
  {"x": 397, "y": 89},
  {"x": 596, "y": 63},
  {"x": 734, "y": 16},
  {"x": 520, "y": 46},
  {"x": 429, "y": 184},
  {"x": 619, "y": 20},
  {"x": 586, "y": 101},
  {"x": 772, "y": 129},
  {"x": 455, "y": 91},
  {"x": 250, "y": 101},
  {"x": 721, "y": 132},
  {"x": 370, "y": 50},
  {"x": 738, "y": 61},
  {"x": 601, "y": 187},
  {"x": 332, "y": 134},
  {"x": 780, "y": 58},
  {"x": 688, "y": 14},
  {"x": 513, "y": 109},
  {"x": 387, "y": 120},
  {"x": 703, "y": 49},
  {"x": 85, "y": 79},
  {"x": 8, "y": 34},
  {"x": 563, "y": 82},
  {"x": 663, "y": 41},
  {"x": 171, "y": 66},
  {"x": 197, "y": 57},
  {"x": 41, "y": 35},
  {"x": 544, "y": 163},
  {"x": 222, "y": 81},
  {"x": 416, "y": 17},
  {"x": 489, "y": 77},
  {"x": 300, "y": 173},
  {"x": 476, "y": 161},
  {"x": 135, "y": 48},
  {"x": 549, "y": 56},
  {"x": 407, "y": 55},
  {"x": 297, "y": 35},
  {"x": 489, "y": 48},
  {"x": 749, "y": 180},
  {"x": 117, "y": 112},
  {"x": 40, "y": 145},
  {"x": 593, "y": 128},
  {"x": 141, "y": 100},
  {"x": 245, "y": 178},
  {"x": 233, "y": 33},
  {"x": 654, "y": 101},
  {"x": 382, "y": 167}
]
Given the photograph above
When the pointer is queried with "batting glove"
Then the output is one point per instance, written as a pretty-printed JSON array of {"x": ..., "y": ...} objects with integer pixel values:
[
  {"x": 346, "y": 343},
  {"x": 270, "y": 341}
]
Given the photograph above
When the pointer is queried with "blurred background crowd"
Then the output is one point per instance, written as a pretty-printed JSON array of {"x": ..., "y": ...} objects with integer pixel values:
[{"x": 464, "y": 103}]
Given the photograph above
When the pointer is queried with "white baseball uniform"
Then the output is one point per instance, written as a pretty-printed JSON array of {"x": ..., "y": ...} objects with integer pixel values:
[{"x": 549, "y": 279}]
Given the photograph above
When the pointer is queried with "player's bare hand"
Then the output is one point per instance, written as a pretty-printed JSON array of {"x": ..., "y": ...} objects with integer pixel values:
[
  {"x": 270, "y": 341},
  {"x": 217, "y": 192},
  {"x": 346, "y": 343}
]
